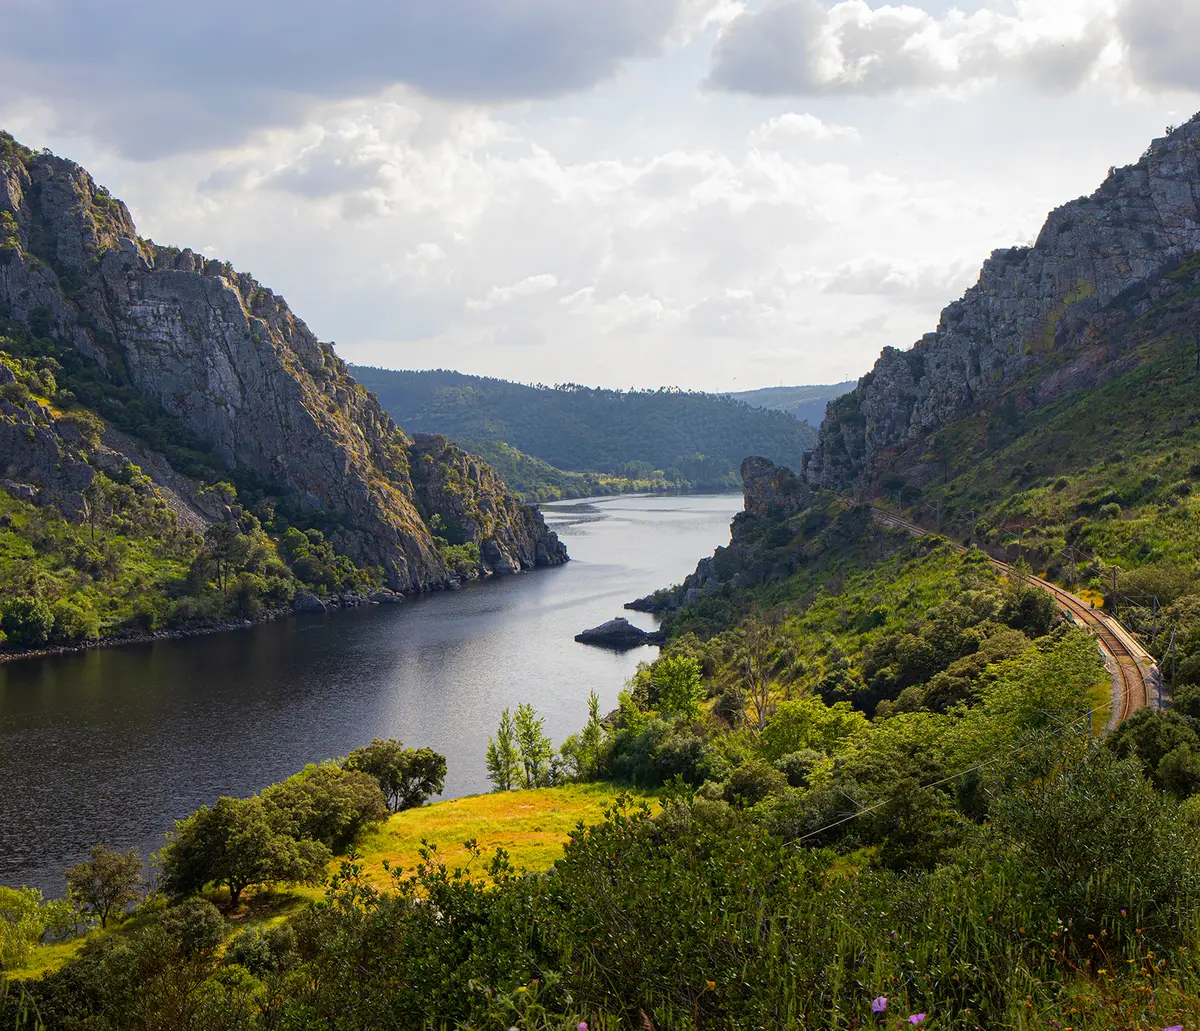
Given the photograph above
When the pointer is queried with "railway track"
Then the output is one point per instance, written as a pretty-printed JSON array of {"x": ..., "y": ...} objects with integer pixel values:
[{"x": 1133, "y": 669}]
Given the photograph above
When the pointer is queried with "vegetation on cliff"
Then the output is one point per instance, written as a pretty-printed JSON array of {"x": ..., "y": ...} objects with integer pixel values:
[{"x": 684, "y": 440}]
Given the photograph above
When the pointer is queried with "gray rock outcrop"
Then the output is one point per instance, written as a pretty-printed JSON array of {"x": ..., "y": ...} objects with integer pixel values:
[
  {"x": 618, "y": 634},
  {"x": 228, "y": 358},
  {"x": 1028, "y": 303}
]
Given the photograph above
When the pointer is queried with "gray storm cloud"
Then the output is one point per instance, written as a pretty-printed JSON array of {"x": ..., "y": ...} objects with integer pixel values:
[{"x": 155, "y": 77}]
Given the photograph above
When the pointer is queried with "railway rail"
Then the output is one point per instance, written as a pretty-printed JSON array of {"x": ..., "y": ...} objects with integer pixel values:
[{"x": 1134, "y": 672}]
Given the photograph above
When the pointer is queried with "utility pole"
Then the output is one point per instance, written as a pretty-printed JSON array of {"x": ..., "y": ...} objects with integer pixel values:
[
  {"x": 1114, "y": 591},
  {"x": 1154, "y": 629},
  {"x": 1071, "y": 555}
]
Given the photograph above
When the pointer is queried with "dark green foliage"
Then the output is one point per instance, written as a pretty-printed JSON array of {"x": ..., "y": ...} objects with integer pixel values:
[
  {"x": 1166, "y": 744},
  {"x": 325, "y": 803},
  {"x": 26, "y": 622},
  {"x": 234, "y": 844},
  {"x": 408, "y": 777},
  {"x": 753, "y": 782},
  {"x": 195, "y": 926},
  {"x": 581, "y": 429}
]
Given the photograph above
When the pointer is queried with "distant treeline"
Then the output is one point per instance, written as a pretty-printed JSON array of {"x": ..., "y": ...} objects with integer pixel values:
[{"x": 678, "y": 435}]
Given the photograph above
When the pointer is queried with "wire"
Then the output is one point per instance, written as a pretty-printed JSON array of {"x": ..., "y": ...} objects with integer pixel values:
[{"x": 936, "y": 783}]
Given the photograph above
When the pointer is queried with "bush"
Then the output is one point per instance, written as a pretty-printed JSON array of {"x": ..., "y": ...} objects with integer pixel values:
[
  {"x": 752, "y": 782},
  {"x": 1110, "y": 511},
  {"x": 27, "y": 622},
  {"x": 74, "y": 624},
  {"x": 195, "y": 926},
  {"x": 797, "y": 766},
  {"x": 262, "y": 952}
]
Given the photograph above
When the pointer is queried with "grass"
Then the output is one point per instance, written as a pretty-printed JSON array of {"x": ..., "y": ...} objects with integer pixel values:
[{"x": 531, "y": 826}]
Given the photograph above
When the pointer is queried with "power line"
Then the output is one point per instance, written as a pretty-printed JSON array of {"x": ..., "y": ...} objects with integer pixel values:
[{"x": 938, "y": 783}]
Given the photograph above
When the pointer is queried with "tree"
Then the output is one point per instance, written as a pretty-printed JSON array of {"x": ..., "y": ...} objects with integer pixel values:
[
  {"x": 228, "y": 547},
  {"x": 583, "y": 752},
  {"x": 675, "y": 686},
  {"x": 27, "y": 622},
  {"x": 234, "y": 844},
  {"x": 407, "y": 776},
  {"x": 756, "y": 667},
  {"x": 106, "y": 882},
  {"x": 533, "y": 746},
  {"x": 325, "y": 803},
  {"x": 503, "y": 763}
]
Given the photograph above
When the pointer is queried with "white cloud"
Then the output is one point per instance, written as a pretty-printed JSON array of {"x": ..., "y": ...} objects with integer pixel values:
[
  {"x": 498, "y": 296},
  {"x": 800, "y": 47},
  {"x": 792, "y": 126}
]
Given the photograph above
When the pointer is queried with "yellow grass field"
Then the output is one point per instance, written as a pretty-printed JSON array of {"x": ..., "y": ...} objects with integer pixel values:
[{"x": 531, "y": 826}]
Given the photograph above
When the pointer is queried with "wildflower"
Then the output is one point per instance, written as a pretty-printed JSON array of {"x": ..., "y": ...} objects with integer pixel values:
[
  {"x": 710, "y": 985},
  {"x": 916, "y": 1018},
  {"x": 583, "y": 1025},
  {"x": 1174, "y": 1027},
  {"x": 522, "y": 989},
  {"x": 879, "y": 1005}
]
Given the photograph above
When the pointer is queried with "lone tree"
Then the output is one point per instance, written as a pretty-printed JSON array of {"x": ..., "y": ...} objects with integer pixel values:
[
  {"x": 503, "y": 763},
  {"x": 408, "y": 776},
  {"x": 533, "y": 745},
  {"x": 235, "y": 845},
  {"x": 107, "y": 882}
]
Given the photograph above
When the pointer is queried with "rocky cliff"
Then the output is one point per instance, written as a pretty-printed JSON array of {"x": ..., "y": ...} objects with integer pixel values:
[
  {"x": 229, "y": 359},
  {"x": 1033, "y": 309}
]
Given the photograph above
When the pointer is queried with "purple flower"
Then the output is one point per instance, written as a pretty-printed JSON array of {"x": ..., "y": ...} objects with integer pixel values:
[
  {"x": 583, "y": 1025},
  {"x": 1174, "y": 1027},
  {"x": 916, "y": 1018},
  {"x": 879, "y": 1005}
]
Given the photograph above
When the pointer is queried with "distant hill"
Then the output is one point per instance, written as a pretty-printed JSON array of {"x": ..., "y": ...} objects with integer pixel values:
[
  {"x": 648, "y": 434},
  {"x": 807, "y": 403}
]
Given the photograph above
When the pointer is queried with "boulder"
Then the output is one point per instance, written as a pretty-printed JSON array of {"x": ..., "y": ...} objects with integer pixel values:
[
  {"x": 618, "y": 634},
  {"x": 305, "y": 603}
]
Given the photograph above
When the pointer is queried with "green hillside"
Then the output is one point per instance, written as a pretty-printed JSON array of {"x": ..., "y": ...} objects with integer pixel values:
[
  {"x": 806, "y": 403},
  {"x": 635, "y": 434}
]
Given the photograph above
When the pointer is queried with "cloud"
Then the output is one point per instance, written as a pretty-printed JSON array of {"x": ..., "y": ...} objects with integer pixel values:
[
  {"x": 802, "y": 48},
  {"x": 875, "y": 275},
  {"x": 154, "y": 77},
  {"x": 498, "y": 296},
  {"x": 1162, "y": 37},
  {"x": 806, "y": 127}
]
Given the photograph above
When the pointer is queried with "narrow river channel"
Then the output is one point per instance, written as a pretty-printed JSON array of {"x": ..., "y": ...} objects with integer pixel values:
[{"x": 117, "y": 743}]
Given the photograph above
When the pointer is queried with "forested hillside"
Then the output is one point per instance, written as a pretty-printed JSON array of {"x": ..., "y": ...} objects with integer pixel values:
[
  {"x": 805, "y": 403},
  {"x": 684, "y": 438}
]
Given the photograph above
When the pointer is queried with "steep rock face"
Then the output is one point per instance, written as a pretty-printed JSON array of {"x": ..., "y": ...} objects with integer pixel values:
[
  {"x": 772, "y": 491},
  {"x": 227, "y": 357},
  {"x": 1027, "y": 304},
  {"x": 474, "y": 507}
]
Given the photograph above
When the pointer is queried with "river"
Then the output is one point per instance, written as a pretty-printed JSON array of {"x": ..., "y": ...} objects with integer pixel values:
[{"x": 114, "y": 744}]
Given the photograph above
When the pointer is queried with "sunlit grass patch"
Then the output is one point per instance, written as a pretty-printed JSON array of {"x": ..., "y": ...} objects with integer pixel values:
[{"x": 531, "y": 826}]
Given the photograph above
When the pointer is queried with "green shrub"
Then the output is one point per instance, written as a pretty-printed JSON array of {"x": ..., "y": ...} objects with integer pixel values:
[
  {"x": 74, "y": 624},
  {"x": 27, "y": 622},
  {"x": 1111, "y": 510}
]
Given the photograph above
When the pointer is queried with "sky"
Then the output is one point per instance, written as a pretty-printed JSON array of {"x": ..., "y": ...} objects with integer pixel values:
[{"x": 710, "y": 194}]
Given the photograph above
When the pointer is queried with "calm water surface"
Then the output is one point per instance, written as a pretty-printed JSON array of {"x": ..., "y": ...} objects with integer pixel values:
[{"x": 115, "y": 744}]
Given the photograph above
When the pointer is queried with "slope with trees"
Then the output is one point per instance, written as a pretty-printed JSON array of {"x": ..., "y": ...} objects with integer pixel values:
[{"x": 684, "y": 438}]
